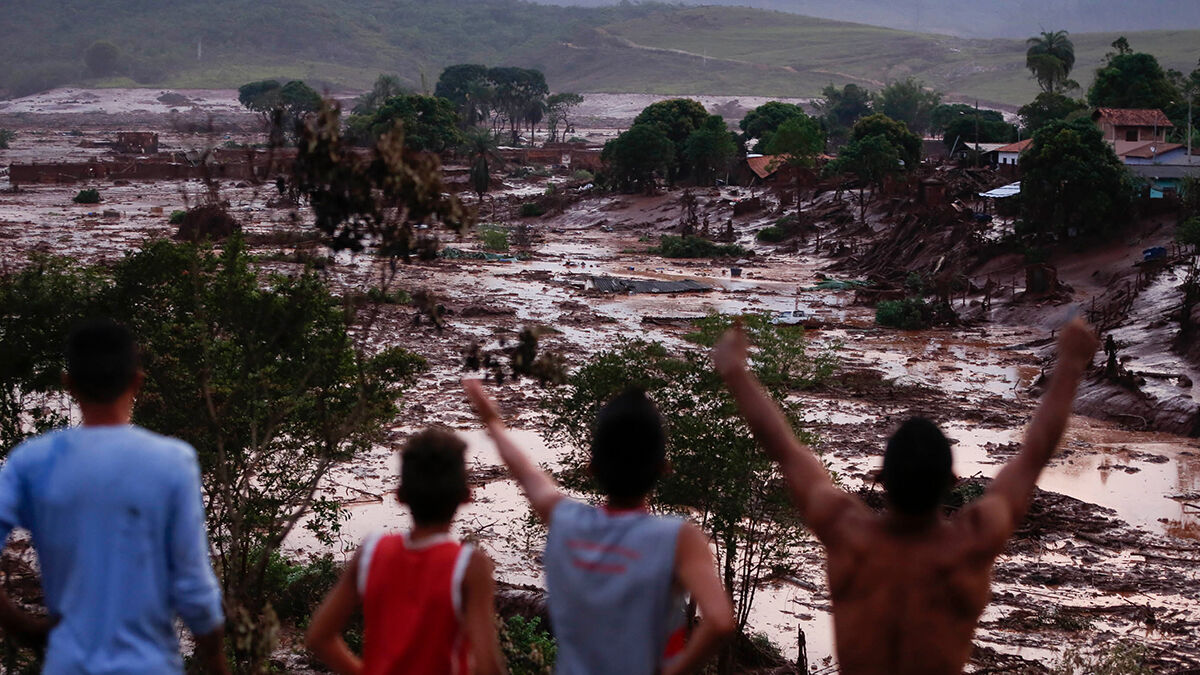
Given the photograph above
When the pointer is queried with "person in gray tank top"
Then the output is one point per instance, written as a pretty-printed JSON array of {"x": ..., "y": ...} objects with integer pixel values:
[{"x": 616, "y": 575}]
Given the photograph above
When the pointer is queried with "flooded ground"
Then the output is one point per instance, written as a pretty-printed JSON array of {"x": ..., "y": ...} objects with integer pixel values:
[{"x": 1112, "y": 554}]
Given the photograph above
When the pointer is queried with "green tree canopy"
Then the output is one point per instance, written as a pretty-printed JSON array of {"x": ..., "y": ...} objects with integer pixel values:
[
  {"x": 101, "y": 58},
  {"x": 468, "y": 87},
  {"x": 800, "y": 138},
  {"x": 385, "y": 87},
  {"x": 841, "y": 108},
  {"x": 520, "y": 93},
  {"x": 906, "y": 143},
  {"x": 1049, "y": 106},
  {"x": 762, "y": 122},
  {"x": 944, "y": 114},
  {"x": 1050, "y": 57},
  {"x": 1072, "y": 180},
  {"x": 634, "y": 157},
  {"x": 871, "y": 159},
  {"x": 910, "y": 102},
  {"x": 1132, "y": 80},
  {"x": 430, "y": 123},
  {"x": 979, "y": 128},
  {"x": 295, "y": 98},
  {"x": 558, "y": 109},
  {"x": 677, "y": 118},
  {"x": 710, "y": 149}
]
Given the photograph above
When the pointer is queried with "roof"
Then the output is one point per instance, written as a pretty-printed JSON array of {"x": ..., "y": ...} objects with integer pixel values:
[
  {"x": 619, "y": 285},
  {"x": 1143, "y": 149},
  {"x": 985, "y": 147},
  {"x": 765, "y": 165},
  {"x": 1164, "y": 171},
  {"x": 1017, "y": 147},
  {"x": 1133, "y": 117},
  {"x": 1010, "y": 190}
]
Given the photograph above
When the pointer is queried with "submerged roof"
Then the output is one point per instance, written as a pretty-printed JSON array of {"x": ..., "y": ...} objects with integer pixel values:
[
  {"x": 620, "y": 285},
  {"x": 1010, "y": 190},
  {"x": 1133, "y": 117}
]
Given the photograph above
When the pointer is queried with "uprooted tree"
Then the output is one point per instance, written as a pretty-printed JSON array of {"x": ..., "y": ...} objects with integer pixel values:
[{"x": 719, "y": 477}]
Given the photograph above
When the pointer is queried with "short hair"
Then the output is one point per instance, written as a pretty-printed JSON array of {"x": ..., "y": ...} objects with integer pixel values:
[
  {"x": 628, "y": 446},
  {"x": 917, "y": 469},
  {"x": 433, "y": 476},
  {"x": 102, "y": 360}
]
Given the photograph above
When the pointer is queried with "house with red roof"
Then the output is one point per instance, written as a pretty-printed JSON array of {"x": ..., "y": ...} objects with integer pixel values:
[{"x": 1132, "y": 124}]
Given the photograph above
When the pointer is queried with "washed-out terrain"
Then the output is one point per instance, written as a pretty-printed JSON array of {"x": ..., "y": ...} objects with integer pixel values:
[{"x": 1110, "y": 549}]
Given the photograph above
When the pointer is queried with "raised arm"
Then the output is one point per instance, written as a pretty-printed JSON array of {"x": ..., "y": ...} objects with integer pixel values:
[
  {"x": 539, "y": 487},
  {"x": 820, "y": 503},
  {"x": 696, "y": 572},
  {"x": 1014, "y": 484}
]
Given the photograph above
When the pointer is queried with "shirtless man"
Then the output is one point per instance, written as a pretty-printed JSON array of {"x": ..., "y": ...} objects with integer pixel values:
[{"x": 908, "y": 585}]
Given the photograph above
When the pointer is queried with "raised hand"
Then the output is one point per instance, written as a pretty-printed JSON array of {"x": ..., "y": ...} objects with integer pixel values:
[
  {"x": 483, "y": 404},
  {"x": 1077, "y": 343},
  {"x": 729, "y": 355}
]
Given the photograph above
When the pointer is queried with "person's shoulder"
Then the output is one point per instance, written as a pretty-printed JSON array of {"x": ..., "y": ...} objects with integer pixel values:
[
  {"x": 168, "y": 453},
  {"x": 32, "y": 449},
  {"x": 985, "y": 524}
]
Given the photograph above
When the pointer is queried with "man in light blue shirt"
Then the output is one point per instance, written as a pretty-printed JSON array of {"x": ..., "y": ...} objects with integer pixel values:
[{"x": 117, "y": 520}]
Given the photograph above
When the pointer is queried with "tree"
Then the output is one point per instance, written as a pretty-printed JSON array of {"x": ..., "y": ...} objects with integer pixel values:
[
  {"x": 385, "y": 87},
  {"x": 871, "y": 159},
  {"x": 634, "y": 157},
  {"x": 906, "y": 143},
  {"x": 1072, "y": 181},
  {"x": 841, "y": 108},
  {"x": 558, "y": 107},
  {"x": 979, "y": 128},
  {"x": 1131, "y": 79},
  {"x": 1048, "y": 107},
  {"x": 677, "y": 118},
  {"x": 430, "y": 123},
  {"x": 710, "y": 149},
  {"x": 910, "y": 102},
  {"x": 259, "y": 373},
  {"x": 468, "y": 87},
  {"x": 1050, "y": 57},
  {"x": 800, "y": 140},
  {"x": 761, "y": 123},
  {"x": 480, "y": 147},
  {"x": 517, "y": 93},
  {"x": 280, "y": 105},
  {"x": 101, "y": 58},
  {"x": 6, "y": 136},
  {"x": 719, "y": 477}
]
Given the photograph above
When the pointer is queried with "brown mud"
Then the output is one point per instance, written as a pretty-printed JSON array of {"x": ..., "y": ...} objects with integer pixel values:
[{"x": 1110, "y": 551}]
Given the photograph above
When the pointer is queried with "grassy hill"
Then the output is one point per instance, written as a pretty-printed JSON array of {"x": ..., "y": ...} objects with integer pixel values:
[{"x": 640, "y": 48}]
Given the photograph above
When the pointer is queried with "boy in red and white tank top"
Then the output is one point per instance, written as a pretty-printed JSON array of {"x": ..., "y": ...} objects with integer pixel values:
[{"x": 427, "y": 600}]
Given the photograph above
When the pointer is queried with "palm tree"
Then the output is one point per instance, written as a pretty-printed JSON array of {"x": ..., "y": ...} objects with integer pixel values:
[
  {"x": 480, "y": 146},
  {"x": 1050, "y": 57}
]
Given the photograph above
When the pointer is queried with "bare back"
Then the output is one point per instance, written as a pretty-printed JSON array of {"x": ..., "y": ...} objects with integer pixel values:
[{"x": 906, "y": 599}]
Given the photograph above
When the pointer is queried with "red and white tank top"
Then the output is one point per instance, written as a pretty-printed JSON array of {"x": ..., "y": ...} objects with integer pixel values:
[{"x": 413, "y": 605}]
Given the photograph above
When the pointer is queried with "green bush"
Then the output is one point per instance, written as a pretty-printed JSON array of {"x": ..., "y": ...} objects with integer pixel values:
[
  {"x": 6, "y": 135},
  {"x": 532, "y": 210},
  {"x": 177, "y": 217},
  {"x": 695, "y": 247},
  {"x": 772, "y": 234},
  {"x": 89, "y": 196},
  {"x": 583, "y": 176},
  {"x": 494, "y": 238},
  {"x": 906, "y": 314},
  {"x": 296, "y": 588},
  {"x": 1189, "y": 232},
  {"x": 528, "y": 648}
]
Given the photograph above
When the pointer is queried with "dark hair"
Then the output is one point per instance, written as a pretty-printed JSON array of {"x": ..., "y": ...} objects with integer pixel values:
[
  {"x": 102, "y": 360},
  {"x": 433, "y": 476},
  {"x": 628, "y": 446},
  {"x": 917, "y": 467}
]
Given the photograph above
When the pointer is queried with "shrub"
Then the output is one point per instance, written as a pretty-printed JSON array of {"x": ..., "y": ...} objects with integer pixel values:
[
  {"x": 89, "y": 196},
  {"x": 494, "y": 238},
  {"x": 695, "y": 247},
  {"x": 532, "y": 210},
  {"x": 583, "y": 176},
  {"x": 528, "y": 648},
  {"x": 906, "y": 314},
  {"x": 1189, "y": 232},
  {"x": 177, "y": 217},
  {"x": 1124, "y": 658},
  {"x": 772, "y": 234},
  {"x": 6, "y": 135}
]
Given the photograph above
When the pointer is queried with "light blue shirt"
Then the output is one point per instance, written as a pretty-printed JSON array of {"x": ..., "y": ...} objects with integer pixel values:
[{"x": 118, "y": 524}]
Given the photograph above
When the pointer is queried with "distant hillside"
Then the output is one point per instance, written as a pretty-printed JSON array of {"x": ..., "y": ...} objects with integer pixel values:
[
  {"x": 630, "y": 48},
  {"x": 1009, "y": 18}
]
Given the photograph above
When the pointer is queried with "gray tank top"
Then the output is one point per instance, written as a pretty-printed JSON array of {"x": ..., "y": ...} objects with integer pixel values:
[{"x": 609, "y": 578}]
